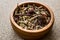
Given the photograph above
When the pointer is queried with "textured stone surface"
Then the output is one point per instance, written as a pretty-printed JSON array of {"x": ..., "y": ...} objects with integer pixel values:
[{"x": 6, "y": 8}]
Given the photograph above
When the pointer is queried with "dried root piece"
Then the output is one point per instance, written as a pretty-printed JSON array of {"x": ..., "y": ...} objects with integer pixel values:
[{"x": 34, "y": 17}]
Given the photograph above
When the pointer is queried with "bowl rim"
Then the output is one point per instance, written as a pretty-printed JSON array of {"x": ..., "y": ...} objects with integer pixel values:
[{"x": 34, "y": 31}]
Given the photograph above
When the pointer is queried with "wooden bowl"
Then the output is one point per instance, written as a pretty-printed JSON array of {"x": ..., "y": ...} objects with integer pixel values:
[{"x": 32, "y": 34}]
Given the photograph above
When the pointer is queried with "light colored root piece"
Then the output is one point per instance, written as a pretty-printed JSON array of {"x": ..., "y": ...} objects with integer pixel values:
[
  {"x": 24, "y": 22},
  {"x": 34, "y": 17}
]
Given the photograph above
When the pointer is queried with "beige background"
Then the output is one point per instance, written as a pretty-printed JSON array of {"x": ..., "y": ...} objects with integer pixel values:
[{"x": 6, "y": 31}]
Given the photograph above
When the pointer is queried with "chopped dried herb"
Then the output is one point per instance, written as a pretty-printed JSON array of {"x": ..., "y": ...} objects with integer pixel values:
[{"x": 32, "y": 17}]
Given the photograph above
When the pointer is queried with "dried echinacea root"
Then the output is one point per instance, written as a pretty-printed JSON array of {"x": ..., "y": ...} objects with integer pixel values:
[{"x": 32, "y": 17}]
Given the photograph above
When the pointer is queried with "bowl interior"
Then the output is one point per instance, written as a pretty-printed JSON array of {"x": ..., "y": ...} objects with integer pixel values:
[{"x": 37, "y": 4}]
